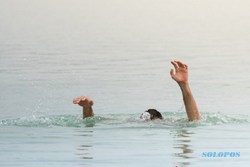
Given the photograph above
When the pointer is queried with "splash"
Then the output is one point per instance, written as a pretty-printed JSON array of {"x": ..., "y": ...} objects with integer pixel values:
[
  {"x": 58, "y": 120},
  {"x": 171, "y": 119}
]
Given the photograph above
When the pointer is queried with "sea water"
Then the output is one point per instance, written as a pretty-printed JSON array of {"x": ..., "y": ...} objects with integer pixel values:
[{"x": 118, "y": 54}]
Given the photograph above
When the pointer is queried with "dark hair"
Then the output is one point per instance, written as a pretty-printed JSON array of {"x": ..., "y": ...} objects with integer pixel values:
[{"x": 154, "y": 114}]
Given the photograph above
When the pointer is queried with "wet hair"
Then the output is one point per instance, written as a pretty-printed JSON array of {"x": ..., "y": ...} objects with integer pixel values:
[{"x": 154, "y": 114}]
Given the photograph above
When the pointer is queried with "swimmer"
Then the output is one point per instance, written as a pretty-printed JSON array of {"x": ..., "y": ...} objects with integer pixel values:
[{"x": 180, "y": 76}]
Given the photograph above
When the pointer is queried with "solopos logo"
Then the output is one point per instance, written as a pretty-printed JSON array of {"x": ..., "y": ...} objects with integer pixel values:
[{"x": 221, "y": 154}]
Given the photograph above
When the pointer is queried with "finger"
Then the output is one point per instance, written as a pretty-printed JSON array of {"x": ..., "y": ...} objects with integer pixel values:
[
  {"x": 78, "y": 100},
  {"x": 91, "y": 103},
  {"x": 172, "y": 72},
  {"x": 175, "y": 65},
  {"x": 82, "y": 98},
  {"x": 186, "y": 66},
  {"x": 180, "y": 64},
  {"x": 74, "y": 101}
]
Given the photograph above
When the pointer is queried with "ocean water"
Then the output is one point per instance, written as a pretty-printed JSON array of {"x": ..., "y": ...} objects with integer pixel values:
[{"x": 118, "y": 54}]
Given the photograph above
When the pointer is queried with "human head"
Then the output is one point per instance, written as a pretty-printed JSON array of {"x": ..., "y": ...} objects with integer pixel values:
[{"x": 151, "y": 114}]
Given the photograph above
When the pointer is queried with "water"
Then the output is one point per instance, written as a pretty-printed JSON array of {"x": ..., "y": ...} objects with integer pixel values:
[{"x": 118, "y": 53}]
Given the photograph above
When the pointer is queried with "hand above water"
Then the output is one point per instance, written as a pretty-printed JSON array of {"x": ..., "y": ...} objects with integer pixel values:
[
  {"x": 181, "y": 72},
  {"x": 83, "y": 101},
  {"x": 181, "y": 77}
]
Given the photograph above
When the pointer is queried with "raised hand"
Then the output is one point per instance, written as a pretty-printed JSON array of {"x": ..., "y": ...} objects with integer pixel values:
[
  {"x": 181, "y": 77},
  {"x": 86, "y": 104},
  {"x": 83, "y": 101},
  {"x": 181, "y": 72}
]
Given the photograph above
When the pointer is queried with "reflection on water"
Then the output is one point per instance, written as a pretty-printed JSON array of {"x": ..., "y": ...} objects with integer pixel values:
[
  {"x": 182, "y": 141},
  {"x": 84, "y": 149}
]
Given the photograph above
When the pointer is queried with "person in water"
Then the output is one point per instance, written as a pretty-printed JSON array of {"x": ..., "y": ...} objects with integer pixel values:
[{"x": 180, "y": 76}]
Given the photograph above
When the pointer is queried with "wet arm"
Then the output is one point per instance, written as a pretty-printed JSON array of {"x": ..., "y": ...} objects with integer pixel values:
[
  {"x": 189, "y": 101},
  {"x": 181, "y": 77},
  {"x": 87, "y": 112},
  {"x": 86, "y": 105}
]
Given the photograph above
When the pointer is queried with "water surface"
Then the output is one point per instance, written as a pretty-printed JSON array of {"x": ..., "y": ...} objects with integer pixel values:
[{"x": 118, "y": 53}]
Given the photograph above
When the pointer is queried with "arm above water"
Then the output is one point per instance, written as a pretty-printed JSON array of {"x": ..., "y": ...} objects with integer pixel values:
[
  {"x": 86, "y": 105},
  {"x": 181, "y": 77}
]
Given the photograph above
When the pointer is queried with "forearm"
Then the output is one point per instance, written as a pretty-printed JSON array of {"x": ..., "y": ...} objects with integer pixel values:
[
  {"x": 87, "y": 112},
  {"x": 190, "y": 104}
]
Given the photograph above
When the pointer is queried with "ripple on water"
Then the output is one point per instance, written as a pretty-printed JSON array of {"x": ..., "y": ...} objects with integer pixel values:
[{"x": 171, "y": 119}]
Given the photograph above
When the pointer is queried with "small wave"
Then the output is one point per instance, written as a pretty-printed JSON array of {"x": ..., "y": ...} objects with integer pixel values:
[
  {"x": 171, "y": 119},
  {"x": 208, "y": 119},
  {"x": 57, "y": 120}
]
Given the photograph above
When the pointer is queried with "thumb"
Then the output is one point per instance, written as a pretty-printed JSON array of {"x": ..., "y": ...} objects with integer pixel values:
[
  {"x": 172, "y": 73},
  {"x": 91, "y": 102}
]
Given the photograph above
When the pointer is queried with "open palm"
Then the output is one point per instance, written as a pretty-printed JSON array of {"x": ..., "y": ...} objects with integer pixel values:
[{"x": 181, "y": 72}]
